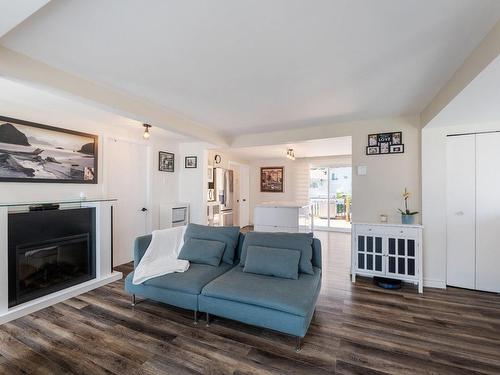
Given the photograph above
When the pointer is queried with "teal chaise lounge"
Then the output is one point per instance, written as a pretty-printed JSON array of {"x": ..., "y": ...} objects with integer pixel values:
[
  {"x": 285, "y": 304},
  {"x": 182, "y": 289}
]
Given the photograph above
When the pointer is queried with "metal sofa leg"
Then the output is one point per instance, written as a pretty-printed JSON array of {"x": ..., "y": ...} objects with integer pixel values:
[
  {"x": 195, "y": 317},
  {"x": 298, "y": 344},
  {"x": 133, "y": 300},
  {"x": 208, "y": 320}
]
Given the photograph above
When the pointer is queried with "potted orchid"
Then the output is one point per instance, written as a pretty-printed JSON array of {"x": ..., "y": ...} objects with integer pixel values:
[{"x": 407, "y": 216}]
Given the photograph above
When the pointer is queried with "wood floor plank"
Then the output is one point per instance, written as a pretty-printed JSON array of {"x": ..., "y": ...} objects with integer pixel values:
[{"x": 356, "y": 329}]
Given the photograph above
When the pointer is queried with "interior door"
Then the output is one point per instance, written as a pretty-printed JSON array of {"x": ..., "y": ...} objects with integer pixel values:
[
  {"x": 127, "y": 181},
  {"x": 461, "y": 211},
  {"x": 244, "y": 214},
  {"x": 488, "y": 212},
  {"x": 236, "y": 193}
]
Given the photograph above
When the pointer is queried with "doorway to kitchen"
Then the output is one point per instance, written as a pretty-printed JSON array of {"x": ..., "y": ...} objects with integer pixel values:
[{"x": 330, "y": 196}]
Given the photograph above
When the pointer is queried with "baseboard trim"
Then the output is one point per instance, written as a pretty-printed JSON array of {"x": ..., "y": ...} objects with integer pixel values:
[
  {"x": 51, "y": 299},
  {"x": 434, "y": 283}
]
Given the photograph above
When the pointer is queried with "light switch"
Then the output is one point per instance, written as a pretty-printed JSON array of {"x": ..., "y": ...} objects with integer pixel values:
[{"x": 362, "y": 169}]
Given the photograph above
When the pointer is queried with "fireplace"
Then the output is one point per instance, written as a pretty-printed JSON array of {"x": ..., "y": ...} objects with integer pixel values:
[{"x": 49, "y": 251}]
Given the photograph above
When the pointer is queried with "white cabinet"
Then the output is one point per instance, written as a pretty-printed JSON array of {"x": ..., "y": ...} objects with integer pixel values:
[
  {"x": 473, "y": 211},
  {"x": 388, "y": 250}
]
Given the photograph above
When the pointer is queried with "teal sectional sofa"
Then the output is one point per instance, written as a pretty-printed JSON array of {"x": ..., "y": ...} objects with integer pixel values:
[{"x": 231, "y": 291}]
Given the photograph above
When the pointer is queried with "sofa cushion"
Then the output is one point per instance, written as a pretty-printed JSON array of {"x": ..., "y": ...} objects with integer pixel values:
[
  {"x": 294, "y": 241},
  {"x": 291, "y": 296},
  {"x": 228, "y": 235},
  {"x": 192, "y": 281},
  {"x": 202, "y": 251},
  {"x": 273, "y": 262}
]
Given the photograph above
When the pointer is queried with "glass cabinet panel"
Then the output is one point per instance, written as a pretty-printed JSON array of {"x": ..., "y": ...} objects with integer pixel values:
[
  {"x": 402, "y": 254},
  {"x": 370, "y": 253}
]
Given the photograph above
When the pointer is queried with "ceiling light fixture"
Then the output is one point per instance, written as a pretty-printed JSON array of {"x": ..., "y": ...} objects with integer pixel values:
[
  {"x": 290, "y": 154},
  {"x": 146, "y": 134}
]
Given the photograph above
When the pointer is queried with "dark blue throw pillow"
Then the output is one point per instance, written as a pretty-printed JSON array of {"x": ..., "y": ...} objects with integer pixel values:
[
  {"x": 228, "y": 235},
  {"x": 202, "y": 251},
  {"x": 272, "y": 262},
  {"x": 291, "y": 241}
]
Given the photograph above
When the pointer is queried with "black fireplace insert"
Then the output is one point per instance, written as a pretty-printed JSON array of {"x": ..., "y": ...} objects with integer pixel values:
[{"x": 50, "y": 251}]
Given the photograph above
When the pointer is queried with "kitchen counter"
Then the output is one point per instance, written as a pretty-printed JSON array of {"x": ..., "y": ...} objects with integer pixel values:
[
  {"x": 283, "y": 217},
  {"x": 289, "y": 204}
]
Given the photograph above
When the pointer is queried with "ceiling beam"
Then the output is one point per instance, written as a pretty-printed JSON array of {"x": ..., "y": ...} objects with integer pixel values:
[
  {"x": 19, "y": 67},
  {"x": 487, "y": 51},
  {"x": 323, "y": 131}
]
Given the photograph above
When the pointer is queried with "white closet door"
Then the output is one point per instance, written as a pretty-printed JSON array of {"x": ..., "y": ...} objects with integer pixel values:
[
  {"x": 460, "y": 211},
  {"x": 488, "y": 212}
]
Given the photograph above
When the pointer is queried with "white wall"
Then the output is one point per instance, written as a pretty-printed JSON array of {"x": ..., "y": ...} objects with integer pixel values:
[
  {"x": 193, "y": 181},
  {"x": 381, "y": 189},
  {"x": 164, "y": 186},
  {"x": 296, "y": 178},
  {"x": 289, "y": 176},
  {"x": 434, "y": 197}
]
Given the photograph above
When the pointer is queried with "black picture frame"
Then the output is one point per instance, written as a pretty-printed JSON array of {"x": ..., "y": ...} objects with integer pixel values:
[
  {"x": 397, "y": 149},
  {"x": 385, "y": 143},
  {"x": 188, "y": 160},
  {"x": 397, "y": 138},
  {"x": 272, "y": 179},
  {"x": 166, "y": 161},
  {"x": 372, "y": 150},
  {"x": 91, "y": 152}
]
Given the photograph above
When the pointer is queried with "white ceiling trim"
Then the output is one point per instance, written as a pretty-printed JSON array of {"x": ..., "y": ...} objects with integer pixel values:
[{"x": 20, "y": 67}]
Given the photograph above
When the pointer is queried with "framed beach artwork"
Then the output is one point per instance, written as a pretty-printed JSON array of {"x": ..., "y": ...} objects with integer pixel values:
[
  {"x": 31, "y": 152},
  {"x": 271, "y": 179}
]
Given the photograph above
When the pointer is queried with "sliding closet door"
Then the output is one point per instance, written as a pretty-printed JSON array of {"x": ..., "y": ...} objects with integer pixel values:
[
  {"x": 460, "y": 210},
  {"x": 488, "y": 212}
]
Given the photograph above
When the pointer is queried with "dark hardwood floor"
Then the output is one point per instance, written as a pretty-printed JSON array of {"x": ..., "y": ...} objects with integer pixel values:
[{"x": 357, "y": 329}]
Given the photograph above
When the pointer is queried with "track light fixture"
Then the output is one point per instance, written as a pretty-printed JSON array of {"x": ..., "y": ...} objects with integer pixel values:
[{"x": 146, "y": 134}]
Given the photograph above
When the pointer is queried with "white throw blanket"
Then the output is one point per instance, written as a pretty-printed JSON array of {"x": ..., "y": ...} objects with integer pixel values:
[{"x": 161, "y": 255}]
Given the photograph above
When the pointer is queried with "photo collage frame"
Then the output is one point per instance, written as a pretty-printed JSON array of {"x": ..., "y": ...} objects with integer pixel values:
[{"x": 385, "y": 143}]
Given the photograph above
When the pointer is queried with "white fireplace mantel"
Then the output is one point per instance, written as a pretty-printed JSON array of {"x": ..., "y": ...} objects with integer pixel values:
[{"x": 104, "y": 272}]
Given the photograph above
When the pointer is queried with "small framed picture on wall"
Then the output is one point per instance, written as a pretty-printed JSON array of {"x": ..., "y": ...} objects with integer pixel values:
[
  {"x": 397, "y": 149},
  {"x": 372, "y": 150},
  {"x": 271, "y": 179},
  {"x": 396, "y": 138},
  {"x": 166, "y": 161},
  {"x": 191, "y": 162}
]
